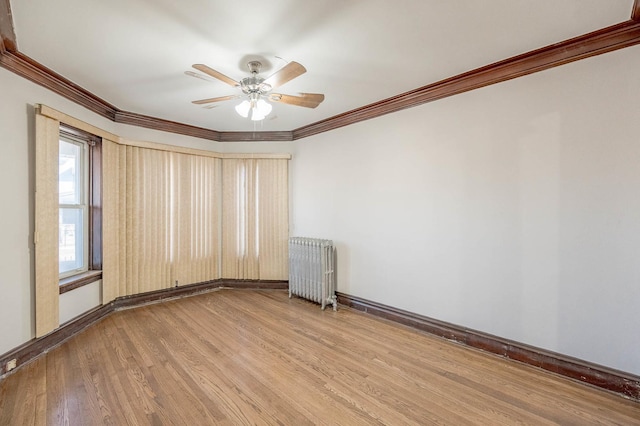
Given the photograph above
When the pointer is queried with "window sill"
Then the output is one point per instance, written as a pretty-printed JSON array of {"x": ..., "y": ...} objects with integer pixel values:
[{"x": 79, "y": 280}]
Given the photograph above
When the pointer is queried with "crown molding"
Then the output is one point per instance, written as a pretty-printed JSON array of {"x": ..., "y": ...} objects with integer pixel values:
[
  {"x": 134, "y": 119},
  {"x": 32, "y": 70},
  {"x": 598, "y": 42},
  {"x": 605, "y": 40},
  {"x": 281, "y": 136},
  {"x": 7, "y": 33}
]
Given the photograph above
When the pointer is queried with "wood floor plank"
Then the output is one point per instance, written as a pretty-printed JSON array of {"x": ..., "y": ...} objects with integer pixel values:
[
  {"x": 168, "y": 369},
  {"x": 345, "y": 369},
  {"x": 228, "y": 372},
  {"x": 377, "y": 382},
  {"x": 256, "y": 357},
  {"x": 258, "y": 370}
]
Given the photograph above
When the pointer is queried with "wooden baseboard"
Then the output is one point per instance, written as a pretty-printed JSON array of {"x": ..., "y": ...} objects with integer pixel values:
[
  {"x": 30, "y": 350},
  {"x": 191, "y": 289},
  {"x": 620, "y": 382}
]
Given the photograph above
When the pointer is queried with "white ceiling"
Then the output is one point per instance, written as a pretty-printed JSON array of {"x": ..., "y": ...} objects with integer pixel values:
[{"x": 133, "y": 53}]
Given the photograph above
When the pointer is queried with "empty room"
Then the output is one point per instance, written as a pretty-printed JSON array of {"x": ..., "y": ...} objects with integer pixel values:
[{"x": 328, "y": 212}]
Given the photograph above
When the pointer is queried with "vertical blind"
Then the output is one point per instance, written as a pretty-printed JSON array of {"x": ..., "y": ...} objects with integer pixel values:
[
  {"x": 239, "y": 220},
  {"x": 165, "y": 208},
  {"x": 273, "y": 218},
  {"x": 111, "y": 231},
  {"x": 255, "y": 220},
  {"x": 171, "y": 216},
  {"x": 138, "y": 220},
  {"x": 46, "y": 225},
  {"x": 195, "y": 212}
]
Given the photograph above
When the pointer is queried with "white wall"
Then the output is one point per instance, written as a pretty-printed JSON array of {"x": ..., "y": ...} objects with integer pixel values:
[
  {"x": 513, "y": 209},
  {"x": 16, "y": 192},
  {"x": 80, "y": 300}
]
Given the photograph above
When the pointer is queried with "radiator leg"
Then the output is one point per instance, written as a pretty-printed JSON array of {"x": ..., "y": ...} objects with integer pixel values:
[{"x": 333, "y": 300}]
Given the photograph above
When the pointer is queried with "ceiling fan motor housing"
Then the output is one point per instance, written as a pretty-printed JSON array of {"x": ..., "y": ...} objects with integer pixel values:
[{"x": 254, "y": 84}]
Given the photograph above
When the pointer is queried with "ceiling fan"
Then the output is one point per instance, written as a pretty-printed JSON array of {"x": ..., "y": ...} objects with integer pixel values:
[{"x": 256, "y": 89}]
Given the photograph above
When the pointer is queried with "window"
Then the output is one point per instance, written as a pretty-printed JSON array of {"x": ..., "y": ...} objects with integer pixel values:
[
  {"x": 73, "y": 229},
  {"x": 79, "y": 212}
]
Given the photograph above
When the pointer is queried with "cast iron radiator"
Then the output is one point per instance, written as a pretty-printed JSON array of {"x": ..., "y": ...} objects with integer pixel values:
[{"x": 312, "y": 270}]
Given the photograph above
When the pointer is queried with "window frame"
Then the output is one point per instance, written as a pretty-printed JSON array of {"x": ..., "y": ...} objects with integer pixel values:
[
  {"x": 82, "y": 203},
  {"x": 93, "y": 215}
]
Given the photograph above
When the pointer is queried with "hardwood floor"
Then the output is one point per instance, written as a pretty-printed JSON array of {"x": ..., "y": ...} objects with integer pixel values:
[{"x": 256, "y": 357}]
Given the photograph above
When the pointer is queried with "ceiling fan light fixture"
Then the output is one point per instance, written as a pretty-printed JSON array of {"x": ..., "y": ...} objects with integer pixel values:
[
  {"x": 260, "y": 109},
  {"x": 243, "y": 108},
  {"x": 256, "y": 109},
  {"x": 263, "y": 107}
]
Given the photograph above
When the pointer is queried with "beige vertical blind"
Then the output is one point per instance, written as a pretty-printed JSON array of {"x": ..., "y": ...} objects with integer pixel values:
[
  {"x": 110, "y": 221},
  {"x": 239, "y": 237},
  {"x": 171, "y": 216},
  {"x": 195, "y": 206},
  {"x": 46, "y": 225},
  {"x": 255, "y": 219},
  {"x": 161, "y": 220},
  {"x": 272, "y": 183},
  {"x": 148, "y": 220}
]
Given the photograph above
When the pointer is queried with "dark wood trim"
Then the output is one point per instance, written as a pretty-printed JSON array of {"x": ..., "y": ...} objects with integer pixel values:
[
  {"x": 635, "y": 12},
  {"x": 73, "y": 132},
  {"x": 7, "y": 33},
  {"x": 168, "y": 293},
  {"x": 32, "y": 349},
  {"x": 45, "y": 77},
  {"x": 254, "y": 284},
  {"x": 134, "y": 119},
  {"x": 191, "y": 289},
  {"x": 620, "y": 382},
  {"x": 282, "y": 136},
  {"x": 154, "y": 123},
  {"x": 95, "y": 206},
  {"x": 79, "y": 280},
  {"x": 598, "y": 42}
]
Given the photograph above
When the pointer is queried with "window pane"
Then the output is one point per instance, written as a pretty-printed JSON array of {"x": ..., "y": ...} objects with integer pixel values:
[
  {"x": 70, "y": 173},
  {"x": 71, "y": 239}
]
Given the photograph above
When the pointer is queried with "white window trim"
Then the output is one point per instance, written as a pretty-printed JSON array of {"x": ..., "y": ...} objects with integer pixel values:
[{"x": 83, "y": 205}]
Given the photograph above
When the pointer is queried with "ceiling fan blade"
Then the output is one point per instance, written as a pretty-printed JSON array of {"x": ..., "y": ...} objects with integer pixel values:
[
  {"x": 307, "y": 100},
  {"x": 200, "y": 76},
  {"x": 216, "y": 74},
  {"x": 284, "y": 74},
  {"x": 218, "y": 99}
]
